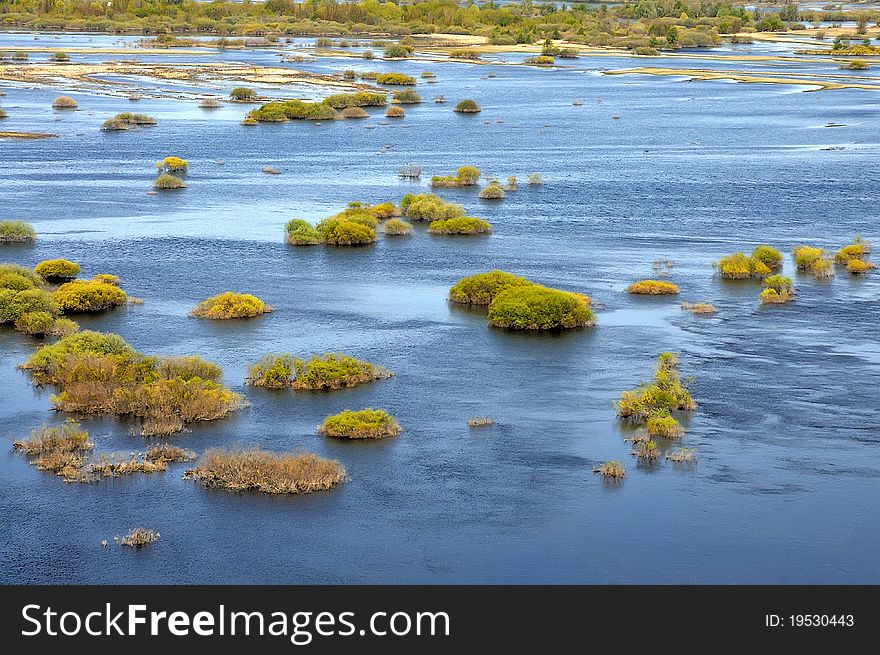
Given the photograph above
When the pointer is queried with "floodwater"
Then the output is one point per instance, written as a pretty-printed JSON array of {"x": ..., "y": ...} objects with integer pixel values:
[{"x": 787, "y": 429}]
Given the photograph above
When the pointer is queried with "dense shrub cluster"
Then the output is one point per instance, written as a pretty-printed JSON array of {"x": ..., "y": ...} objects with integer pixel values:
[
  {"x": 395, "y": 112},
  {"x": 778, "y": 289},
  {"x": 88, "y": 296},
  {"x": 855, "y": 257},
  {"x": 397, "y": 227},
  {"x": 534, "y": 307},
  {"x": 464, "y": 176},
  {"x": 320, "y": 372},
  {"x": 26, "y": 305},
  {"x": 126, "y": 121},
  {"x": 464, "y": 53},
  {"x": 358, "y": 99},
  {"x": 493, "y": 191},
  {"x": 362, "y": 424},
  {"x": 228, "y": 305},
  {"x": 168, "y": 182},
  {"x": 398, "y": 79},
  {"x": 64, "y": 102},
  {"x": 278, "y": 112},
  {"x": 740, "y": 266},
  {"x": 99, "y": 373},
  {"x": 652, "y": 288},
  {"x": 460, "y": 225},
  {"x": 429, "y": 207},
  {"x": 61, "y": 449},
  {"x": 813, "y": 260},
  {"x": 265, "y": 472},
  {"x": 343, "y": 232},
  {"x": 481, "y": 289},
  {"x": 55, "y": 270},
  {"x": 467, "y": 107},
  {"x": 405, "y": 97},
  {"x": 16, "y": 232},
  {"x": 172, "y": 165},
  {"x": 243, "y": 94}
]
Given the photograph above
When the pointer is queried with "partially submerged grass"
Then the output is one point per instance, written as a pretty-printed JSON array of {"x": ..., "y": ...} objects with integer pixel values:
[
  {"x": 480, "y": 421},
  {"x": 682, "y": 455},
  {"x": 229, "y": 305},
  {"x": 126, "y": 121},
  {"x": 167, "y": 453},
  {"x": 429, "y": 207},
  {"x": 139, "y": 537},
  {"x": 362, "y": 424},
  {"x": 613, "y": 470},
  {"x": 272, "y": 473},
  {"x": 493, "y": 191},
  {"x": 397, "y": 227},
  {"x": 17, "y": 232},
  {"x": 658, "y": 398},
  {"x": 652, "y": 288},
  {"x": 114, "y": 466},
  {"x": 739, "y": 266},
  {"x": 60, "y": 449},
  {"x": 699, "y": 307},
  {"x": 168, "y": 182},
  {"x": 778, "y": 289},
  {"x": 813, "y": 260},
  {"x": 647, "y": 451},
  {"x": 663, "y": 426},
  {"x": 320, "y": 372}
]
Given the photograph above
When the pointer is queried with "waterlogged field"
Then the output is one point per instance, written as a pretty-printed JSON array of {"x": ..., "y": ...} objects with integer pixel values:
[{"x": 647, "y": 167}]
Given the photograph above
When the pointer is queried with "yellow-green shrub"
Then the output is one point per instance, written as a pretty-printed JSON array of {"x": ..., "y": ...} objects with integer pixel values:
[
  {"x": 363, "y": 424},
  {"x": 172, "y": 165},
  {"x": 769, "y": 256},
  {"x": 460, "y": 225},
  {"x": 663, "y": 425},
  {"x": 805, "y": 257},
  {"x": 659, "y": 397},
  {"x": 429, "y": 207},
  {"x": 533, "y": 307},
  {"x": 36, "y": 324},
  {"x": 738, "y": 266},
  {"x": 228, "y": 305},
  {"x": 14, "y": 304},
  {"x": 493, "y": 191},
  {"x": 652, "y": 288},
  {"x": 399, "y": 79},
  {"x": 57, "y": 269},
  {"x": 397, "y": 227},
  {"x": 16, "y": 232},
  {"x": 481, "y": 289},
  {"x": 336, "y": 232},
  {"x": 859, "y": 267},
  {"x": 302, "y": 233},
  {"x": 18, "y": 278},
  {"x": 858, "y": 249},
  {"x": 88, "y": 296}
]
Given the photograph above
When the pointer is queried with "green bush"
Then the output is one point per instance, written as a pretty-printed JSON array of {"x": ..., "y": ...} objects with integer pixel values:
[
  {"x": 467, "y": 107},
  {"x": 429, "y": 207},
  {"x": 16, "y": 232},
  {"x": 338, "y": 232},
  {"x": 460, "y": 225},
  {"x": 19, "y": 278},
  {"x": 492, "y": 191},
  {"x": 363, "y": 424},
  {"x": 302, "y": 233},
  {"x": 397, "y": 51},
  {"x": 359, "y": 99},
  {"x": 243, "y": 94},
  {"x": 396, "y": 79},
  {"x": 36, "y": 324},
  {"x": 127, "y": 120},
  {"x": 45, "y": 362},
  {"x": 64, "y": 102},
  {"x": 405, "y": 97},
  {"x": 88, "y": 296},
  {"x": 60, "y": 56},
  {"x": 278, "y": 112},
  {"x": 769, "y": 256},
  {"x": 481, "y": 289},
  {"x": 231, "y": 305},
  {"x": 534, "y": 307},
  {"x": 397, "y": 227},
  {"x": 738, "y": 266},
  {"x": 57, "y": 269},
  {"x": 273, "y": 372},
  {"x": 13, "y": 304}
]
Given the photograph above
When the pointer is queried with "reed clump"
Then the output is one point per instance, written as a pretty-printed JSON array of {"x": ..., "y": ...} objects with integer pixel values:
[
  {"x": 705, "y": 308},
  {"x": 266, "y": 472},
  {"x": 61, "y": 449},
  {"x": 655, "y": 401},
  {"x": 613, "y": 470}
]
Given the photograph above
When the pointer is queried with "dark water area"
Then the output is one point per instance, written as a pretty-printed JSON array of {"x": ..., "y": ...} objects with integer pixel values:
[{"x": 787, "y": 427}]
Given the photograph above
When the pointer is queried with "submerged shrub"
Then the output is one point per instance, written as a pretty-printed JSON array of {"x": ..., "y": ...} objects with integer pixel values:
[
  {"x": 738, "y": 266},
  {"x": 35, "y": 324},
  {"x": 778, "y": 289},
  {"x": 659, "y": 397},
  {"x": 243, "y": 94},
  {"x": 859, "y": 267},
  {"x": 429, "y": 207},
  {"x": 57, "y": 269},
  {"x": 663, "y": 425},
  {"x": 768, "y": 256},
  {"x": 320, "y": 372},
  {"x": 396, "y": 79},
  {"x": 126, "y": 121},
  {"x": 139, "y": 537},
  {"x": 405, "y": 97},
  {"x": 172, "y": 165},
  {"x": 480, "y": 421},
  {"x": 467, "y": 107},
  {"x": 858, "y": 249},
  {"x": 359, "y": 99},
  {"x": 647, "y": 451},
  {"x": 533, "y": 307},
  {"x": 231, "y": 305},
  {"x": 652, "y": 288},
  {"x": 60, "y": 449},
  {"x": 613, "y": 470},
  {"x": 64, "y": 102},
  {"x": 88, "y": 296},
  {"x": 302, "y": 233},
  {"x": 492, "y": 191},
  {"x": 397, "y": 227},
  {"x": 699, "y": 307},
  {"x": 210, "y": 103},
  {"x": 166, "y": 182},
  {"x": 395, "y": 112},
  {"x": 541, "y": 60},
  {"x": 354, "y": 112},
  {"x": 272, "y": 473},
  {"x": 363, "y": 424},
  {"x": 813, "y": 261},
  {"x": 16, "y": 232},
  {"x": 481, "y": 289},
  {"x": 460, "y": 225},
  {"x": 278, "y": 112},
  {"x": 535, "y": 179},
  {"x": 106, "y": 278},
  {"x": 341, "y": 232},
  {"x": 167, "y": 453}
]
